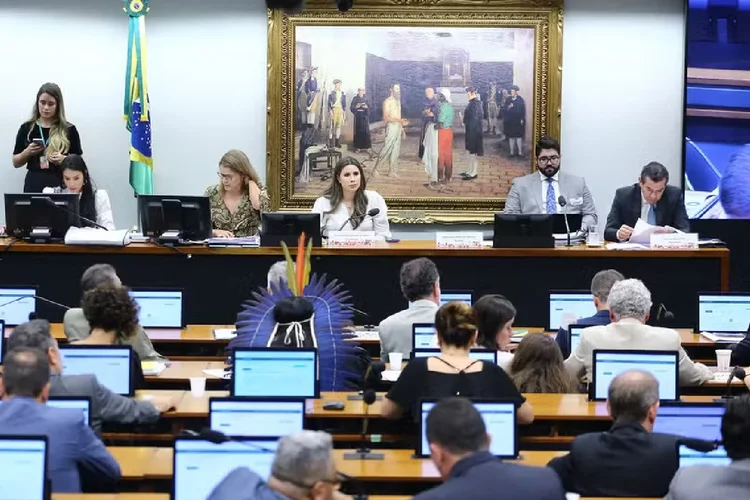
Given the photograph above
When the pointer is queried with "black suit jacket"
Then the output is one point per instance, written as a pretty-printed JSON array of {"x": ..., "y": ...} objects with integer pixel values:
[
  {"x": 626, "y": 461},
  {"x": 626, "y": 209}
]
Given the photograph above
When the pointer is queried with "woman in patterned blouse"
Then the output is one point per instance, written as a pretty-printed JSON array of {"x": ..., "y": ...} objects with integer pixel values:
[{"x": 238, "y": 200}]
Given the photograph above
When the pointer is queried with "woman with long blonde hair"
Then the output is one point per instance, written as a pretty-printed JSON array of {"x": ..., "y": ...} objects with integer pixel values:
[
  {"x": 238, "y": 199},
  {"x": 45, "y": 140}
]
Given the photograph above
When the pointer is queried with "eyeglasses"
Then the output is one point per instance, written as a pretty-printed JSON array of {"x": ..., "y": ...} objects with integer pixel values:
[
  {"x": 225, "y": 177},
  {"x": 548, "y": 159}
]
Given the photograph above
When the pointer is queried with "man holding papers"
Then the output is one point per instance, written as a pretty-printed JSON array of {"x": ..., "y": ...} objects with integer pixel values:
[{"x": 651, "y": 200}]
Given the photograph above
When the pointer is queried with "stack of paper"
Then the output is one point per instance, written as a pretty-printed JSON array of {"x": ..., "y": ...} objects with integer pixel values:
[
  {"x": 224, "y": 333},
  {"x": 92, "y": 236},
  {"x": 153, "y": 368},
  {"x": 250, "y": 241},
  {"x": 723, "y": 337}
]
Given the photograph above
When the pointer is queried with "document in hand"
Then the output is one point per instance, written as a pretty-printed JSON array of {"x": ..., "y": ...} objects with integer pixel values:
[{"x": 643, "y": 230}]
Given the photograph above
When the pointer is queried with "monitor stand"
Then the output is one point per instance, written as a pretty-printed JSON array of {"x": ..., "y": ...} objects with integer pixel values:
[
  {"x": 40, "y": 235},
  {"x": 170, "y": 238}
]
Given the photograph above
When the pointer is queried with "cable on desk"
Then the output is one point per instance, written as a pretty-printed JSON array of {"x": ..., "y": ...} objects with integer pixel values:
[{"x": 159, "y": 244}]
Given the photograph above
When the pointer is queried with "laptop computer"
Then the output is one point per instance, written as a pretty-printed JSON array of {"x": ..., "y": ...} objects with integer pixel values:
[
  {"x": 690, "y": 420},
  {"x": 499, "y": 417},
  {"x": 111, "y": 365},
  {"x": 271, "y": 372},
  {"x": 607, "y": 364},
  {"x": 256, "y": 417},
  {"x": 566, "y": 307},
  {"x": 159, "y": 308},
  {"x": 23, "y": 468},
  {"x": 423, "y": 336},
  {"x": 446, "y": 296},
  {"x": 475, "y": 354},
  {"x": 16, "y": 304},
  {"x": 690, "y": 457},
  {"x": 574, "y": 336},
  {"x": 79, "y": 403},
  {"x": 199, "y": 465},
  {"x": 724, "y": 313}
]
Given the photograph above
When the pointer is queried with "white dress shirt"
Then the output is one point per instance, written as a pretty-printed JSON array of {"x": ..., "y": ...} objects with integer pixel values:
[
  {"x": 332, "y": 220},
  {"x": 555, "y": 186},
  {"x": 103, "y": 207}
]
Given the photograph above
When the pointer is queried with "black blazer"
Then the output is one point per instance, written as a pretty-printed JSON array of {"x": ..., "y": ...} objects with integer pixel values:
[
  {"x": 626, "y": 461},
  {"x": 626, "y": 209}
]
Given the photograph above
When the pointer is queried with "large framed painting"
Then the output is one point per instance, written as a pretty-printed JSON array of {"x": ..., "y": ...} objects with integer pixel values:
[{"x": 440, "y": 100}]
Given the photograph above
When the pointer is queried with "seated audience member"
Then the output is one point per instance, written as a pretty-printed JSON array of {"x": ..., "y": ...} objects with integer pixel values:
[
  {"x": 702, "y": 482},
  {"x": 650, "y": 199},
  {"x": 302, "y": 468},
  {"x": 453, "y": 373},
  {"x": 459, "y": 446},
  {"x": 629, "y": 308},
  {"x": 741, "y": 351},
  {"x": 94, "y": 204},
  {"x": 600, "y": 287},
  {"x": 537, "y": 366},
  {"x": 106, "y": 406},
  {"x": 112, "y": 315},
  {"x": 495, "y": 315},
  {"x": 238, "y": 201},
  {"x": 420, "y": 284},
  {"x": 628, "y": 460},
  {"x": 73, "y": 447},
  {"x": 76, "y": 327},
  {"x": 277, "y": 276}
]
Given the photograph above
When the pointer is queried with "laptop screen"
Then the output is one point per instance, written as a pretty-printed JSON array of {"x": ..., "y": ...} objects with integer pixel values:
[
  {"x": 690, "y": 457},
  {"x": 159, "y": 308},
  {"x": 257, "y": 418},
  {"x": 111, "y": 365},
  {"x": 723, "y": 313},
  {"x": 475, "y": 354},
  {"x": 424, "y": 336},
  {"x": 691, "y": 420},
  {"x": 566, "y": 308},
  {"x": 663, "y": 365},
  {"x": 23, "y": 468},
  {"x": 80, "y": 404},
  {"x": 499, "y": 418},
  {"x": 264, "y": 372},
  {"x": 201, "y": 465},
  {"x": 575, "y": 336},
  {"x": 16, "y": 304}
]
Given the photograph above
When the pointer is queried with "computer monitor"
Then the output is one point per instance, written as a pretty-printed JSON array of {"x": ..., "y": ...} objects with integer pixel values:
[
  {"x": 424, "y": 336},
  {"x": 74, "y": 403},
  {"x": 199, "y": 465},
  {"x": 723, "y": 312},
  {"x": 16, "y": 304},
  {"x": 690, "y": 420},
  {"x": 607, "y": 364},
  {"x": 499, "y": 417},
  {"x": 287, "y": 227},
  {"x": 159, "y": 308},
  {"x": 265, "y": 372},
  {"x": 39, "y": 217},
  {"x": 475, "y": 354},
  {"x": 574, "y": 223},
  {"x": 523, "y": 231},
  {"x": 574, "y": 336},
  {"x": 174, "y": 219},
  {"x": 465, "y": 296},
  {"x": 256, "y": 417},
  {"x": 23, "y": 468},
  {"x": 2, "y": 340},
  {"x": 111, "y": 365},
  {"x": 690, "y": 457},
  {"x": 566, "y": 307}
]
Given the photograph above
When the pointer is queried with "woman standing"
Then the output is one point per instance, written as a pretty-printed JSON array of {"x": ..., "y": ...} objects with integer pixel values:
[
  {"x": 43, "y": 142},
  {"x": 239, "y": 199}
]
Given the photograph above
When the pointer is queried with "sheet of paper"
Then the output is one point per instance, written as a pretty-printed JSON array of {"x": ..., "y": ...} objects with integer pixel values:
[
  {"x": 391, "y": 375},
  {"x": 642, "y": 232},
  {"x": 224, "y": 333},
  {"x": 217, "y": 373},
  {"x": 625, "y": 246}
]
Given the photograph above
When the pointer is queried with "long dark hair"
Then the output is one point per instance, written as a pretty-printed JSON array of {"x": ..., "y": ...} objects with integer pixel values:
[
  {"x": 335, "y": 193},
  {"x": 492, "y": 312},
  {"x": 537, "y": 366},
  {"x": 87, "y": 205}
]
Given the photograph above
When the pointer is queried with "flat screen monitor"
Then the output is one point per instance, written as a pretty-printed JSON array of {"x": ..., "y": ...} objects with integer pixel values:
[
  {"x": 256, "y": 417},
  {"x": 111, "y": 365},
  {"x": 690, "y": 457},
  {"x": 41, "y": 217},
  {"x": 159, "y": 308},
  {"x": 574, "y": 331},
  {"x": 523, "y": 231},
  {"x": 566, "y": 307},
  {"x": 723, "y": 312},
  {"x": 287, "y": 227},
  {"x": 574, "y": 223},
  {"x": 264, "y": 372},
  {"x": 23, "y": 468},
  {"x": 424, "y": 336},
  {"x": 607, "y": 364},
  {"x": 172, "y": 219},
  {"x": 499, "y": 417},
  {"x": 690, "y": 420},
  {"x": 465, "y": 296},
  {"x": 199, "y": 465},
  {"x": 73, "y": 403},
  {"x": 16, "y": 304},
  {"x": 475, "y": 354}
]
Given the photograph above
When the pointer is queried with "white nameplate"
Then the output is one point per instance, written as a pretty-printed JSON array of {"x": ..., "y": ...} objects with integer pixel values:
[
  {"x": 462, "y": 239},
  {"x": 349, "y": 239},
  {"x": 675, "y": 241}
]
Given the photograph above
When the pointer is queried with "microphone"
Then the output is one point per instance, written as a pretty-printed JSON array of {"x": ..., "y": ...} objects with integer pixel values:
[
  {"x": 699, "y": 444},
  {"x": 662, "y": 313},
  {"x": 363, "y": 452},
  {"x": 562, "y": 201},
  {"x": 33, "y": 315},
  {"x": 49, "y": 201},
  {"x": 737, "y": 372},
  {"x": 372, "y": 213},
  {"x": 373, "y": 375}
]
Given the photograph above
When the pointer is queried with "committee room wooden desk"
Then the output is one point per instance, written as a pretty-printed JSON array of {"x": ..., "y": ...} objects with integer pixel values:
[{"x": 217, "y": 280}]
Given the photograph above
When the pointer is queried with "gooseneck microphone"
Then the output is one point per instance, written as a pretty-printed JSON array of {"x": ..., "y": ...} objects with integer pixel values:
[
  {"x": 49, "y": 201},
  {"x": 364, "y": 452},
  {"x": 562, "y": 201},
  {"x": 372, "y": 213},
  {"x": 663, "y": 314},
  {"x": 737, "y": 372}
]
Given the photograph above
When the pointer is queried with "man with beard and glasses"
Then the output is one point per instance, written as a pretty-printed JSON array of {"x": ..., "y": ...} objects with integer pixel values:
[{"x": 539, "y": 192}]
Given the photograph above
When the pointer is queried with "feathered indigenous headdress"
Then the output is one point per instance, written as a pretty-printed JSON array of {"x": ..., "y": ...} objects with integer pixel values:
[{"x": 304, "y": 312}]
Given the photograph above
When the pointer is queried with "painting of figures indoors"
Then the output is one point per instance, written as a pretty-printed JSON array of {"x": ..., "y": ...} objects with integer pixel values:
[{"x": 429, "y": 112}]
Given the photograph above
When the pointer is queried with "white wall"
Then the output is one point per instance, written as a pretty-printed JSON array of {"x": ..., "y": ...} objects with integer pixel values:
[{"x": 622, "y": 88}]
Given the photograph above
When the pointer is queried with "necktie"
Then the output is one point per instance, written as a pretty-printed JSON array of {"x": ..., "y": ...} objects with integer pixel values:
[
  {"x": 651, "y": 215},
  {"x": 551, "y": 201}
]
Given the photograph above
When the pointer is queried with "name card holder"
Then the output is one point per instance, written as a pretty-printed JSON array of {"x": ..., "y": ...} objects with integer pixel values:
[
  {"x": 461, "y": 239},
  {"x": 674, "y": 241},
  {"x": 351, "y": 239}
]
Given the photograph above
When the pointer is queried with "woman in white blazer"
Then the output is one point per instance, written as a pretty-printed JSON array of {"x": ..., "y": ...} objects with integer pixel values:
[
  {"x": 346, "y": 203},
  {"x": 94, "y": 204}
]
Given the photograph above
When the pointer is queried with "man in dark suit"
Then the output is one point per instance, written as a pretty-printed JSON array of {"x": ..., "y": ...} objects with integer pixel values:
[
  {"x": 650, "y": 199},
  {"x": 72, "y": 446},
  {"x": 629, "y": 460},
  {"x": 459, "y": 446}
]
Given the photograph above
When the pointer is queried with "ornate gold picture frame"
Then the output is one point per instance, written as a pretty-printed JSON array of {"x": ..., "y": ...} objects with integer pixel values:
[{"x": 387, "y": 84}]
